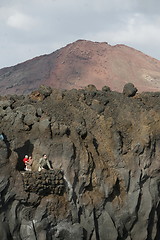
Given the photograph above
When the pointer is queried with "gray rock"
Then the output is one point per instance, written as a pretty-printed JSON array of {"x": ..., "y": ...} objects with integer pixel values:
[
  {"x": 45, "y": 90},
  {"x": 3, "y": 153},
  {"x": 67, "y": 231},
  {"x": 4, "y": 233},
  {"x": 45, "y": 126},
  {"x": 4, "y": 104},
  {"x": 129, "y": 90},
  {"x": 106, "y": 89},
  {"x": 141, "y": 227},
  {"x": 97, "y": 106},
  {"x": 39, "y": 112},
  {"x": 27, "y": 230},
  {"x": 106, "y": 227},
  {"x": 91, "y": 87}
]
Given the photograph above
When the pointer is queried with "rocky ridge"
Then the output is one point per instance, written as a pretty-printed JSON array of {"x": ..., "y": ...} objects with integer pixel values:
[{"x": 105, "y": 144}]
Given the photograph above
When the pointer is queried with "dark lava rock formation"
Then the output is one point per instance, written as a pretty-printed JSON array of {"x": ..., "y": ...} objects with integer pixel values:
[
  {"x": 44, "y": 183},
  {"x": 104, "y": 147}
]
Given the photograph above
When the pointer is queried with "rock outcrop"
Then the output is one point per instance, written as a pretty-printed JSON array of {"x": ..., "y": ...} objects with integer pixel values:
[
  {"x": 104, "y": 147},
  {"x": 44, "y": 183}
]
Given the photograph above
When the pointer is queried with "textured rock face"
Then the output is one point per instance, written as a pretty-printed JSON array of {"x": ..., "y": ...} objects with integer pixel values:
[
  {"x": 45, "y": 182},
  {"x": 106, "y": 144}
]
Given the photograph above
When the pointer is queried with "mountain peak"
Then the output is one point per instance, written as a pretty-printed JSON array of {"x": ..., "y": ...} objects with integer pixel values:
[{"x": 81, "y": 63}]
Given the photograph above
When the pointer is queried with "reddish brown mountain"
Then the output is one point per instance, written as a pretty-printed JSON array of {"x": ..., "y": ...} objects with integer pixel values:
[{"x": 82, "y": 63}]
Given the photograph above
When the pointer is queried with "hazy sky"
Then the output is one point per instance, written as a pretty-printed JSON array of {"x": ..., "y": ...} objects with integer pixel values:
[{"x": 30, "y": 28}]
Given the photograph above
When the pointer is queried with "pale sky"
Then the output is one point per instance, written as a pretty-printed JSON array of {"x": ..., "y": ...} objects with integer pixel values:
[{"x": 29, "y": 28}]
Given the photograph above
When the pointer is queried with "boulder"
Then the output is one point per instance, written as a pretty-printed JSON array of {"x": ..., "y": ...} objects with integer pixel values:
[{"x": 129, "y": 90}]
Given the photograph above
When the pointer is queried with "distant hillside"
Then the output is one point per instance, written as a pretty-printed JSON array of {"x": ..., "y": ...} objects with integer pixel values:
[{"x": 82, "y": 63}]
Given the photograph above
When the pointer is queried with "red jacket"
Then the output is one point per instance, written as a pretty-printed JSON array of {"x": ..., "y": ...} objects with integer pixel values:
[{"x": 25, "y": 160}]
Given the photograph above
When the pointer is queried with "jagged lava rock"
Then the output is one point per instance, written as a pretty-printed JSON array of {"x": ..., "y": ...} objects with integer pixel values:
[{"x": 104, "y": 147}]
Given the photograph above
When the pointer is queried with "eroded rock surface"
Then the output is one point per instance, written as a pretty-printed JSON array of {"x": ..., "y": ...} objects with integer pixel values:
[
  {"x": 45, "y": 182},
  {"x": 104, "y": 147}
]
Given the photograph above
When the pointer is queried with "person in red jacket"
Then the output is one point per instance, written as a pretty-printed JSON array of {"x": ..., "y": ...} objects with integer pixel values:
[{"x": 28, "y": 162}]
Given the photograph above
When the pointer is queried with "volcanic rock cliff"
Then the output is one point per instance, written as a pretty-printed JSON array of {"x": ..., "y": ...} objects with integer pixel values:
[
  {"x": 81, "y": 63},
  {"x": 104, "y": 148}
]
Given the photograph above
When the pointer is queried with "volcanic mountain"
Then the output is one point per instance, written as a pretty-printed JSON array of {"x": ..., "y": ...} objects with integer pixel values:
[{"x": 82, "y": 63}]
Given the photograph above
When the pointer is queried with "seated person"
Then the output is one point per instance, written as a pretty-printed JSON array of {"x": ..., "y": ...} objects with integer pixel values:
[
  {"x": 28, "y": 162},
  {"x": 44, "y": 163}
]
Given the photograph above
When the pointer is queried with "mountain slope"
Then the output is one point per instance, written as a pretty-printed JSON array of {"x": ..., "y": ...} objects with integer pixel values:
[{"x": 82, "y": 63}]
